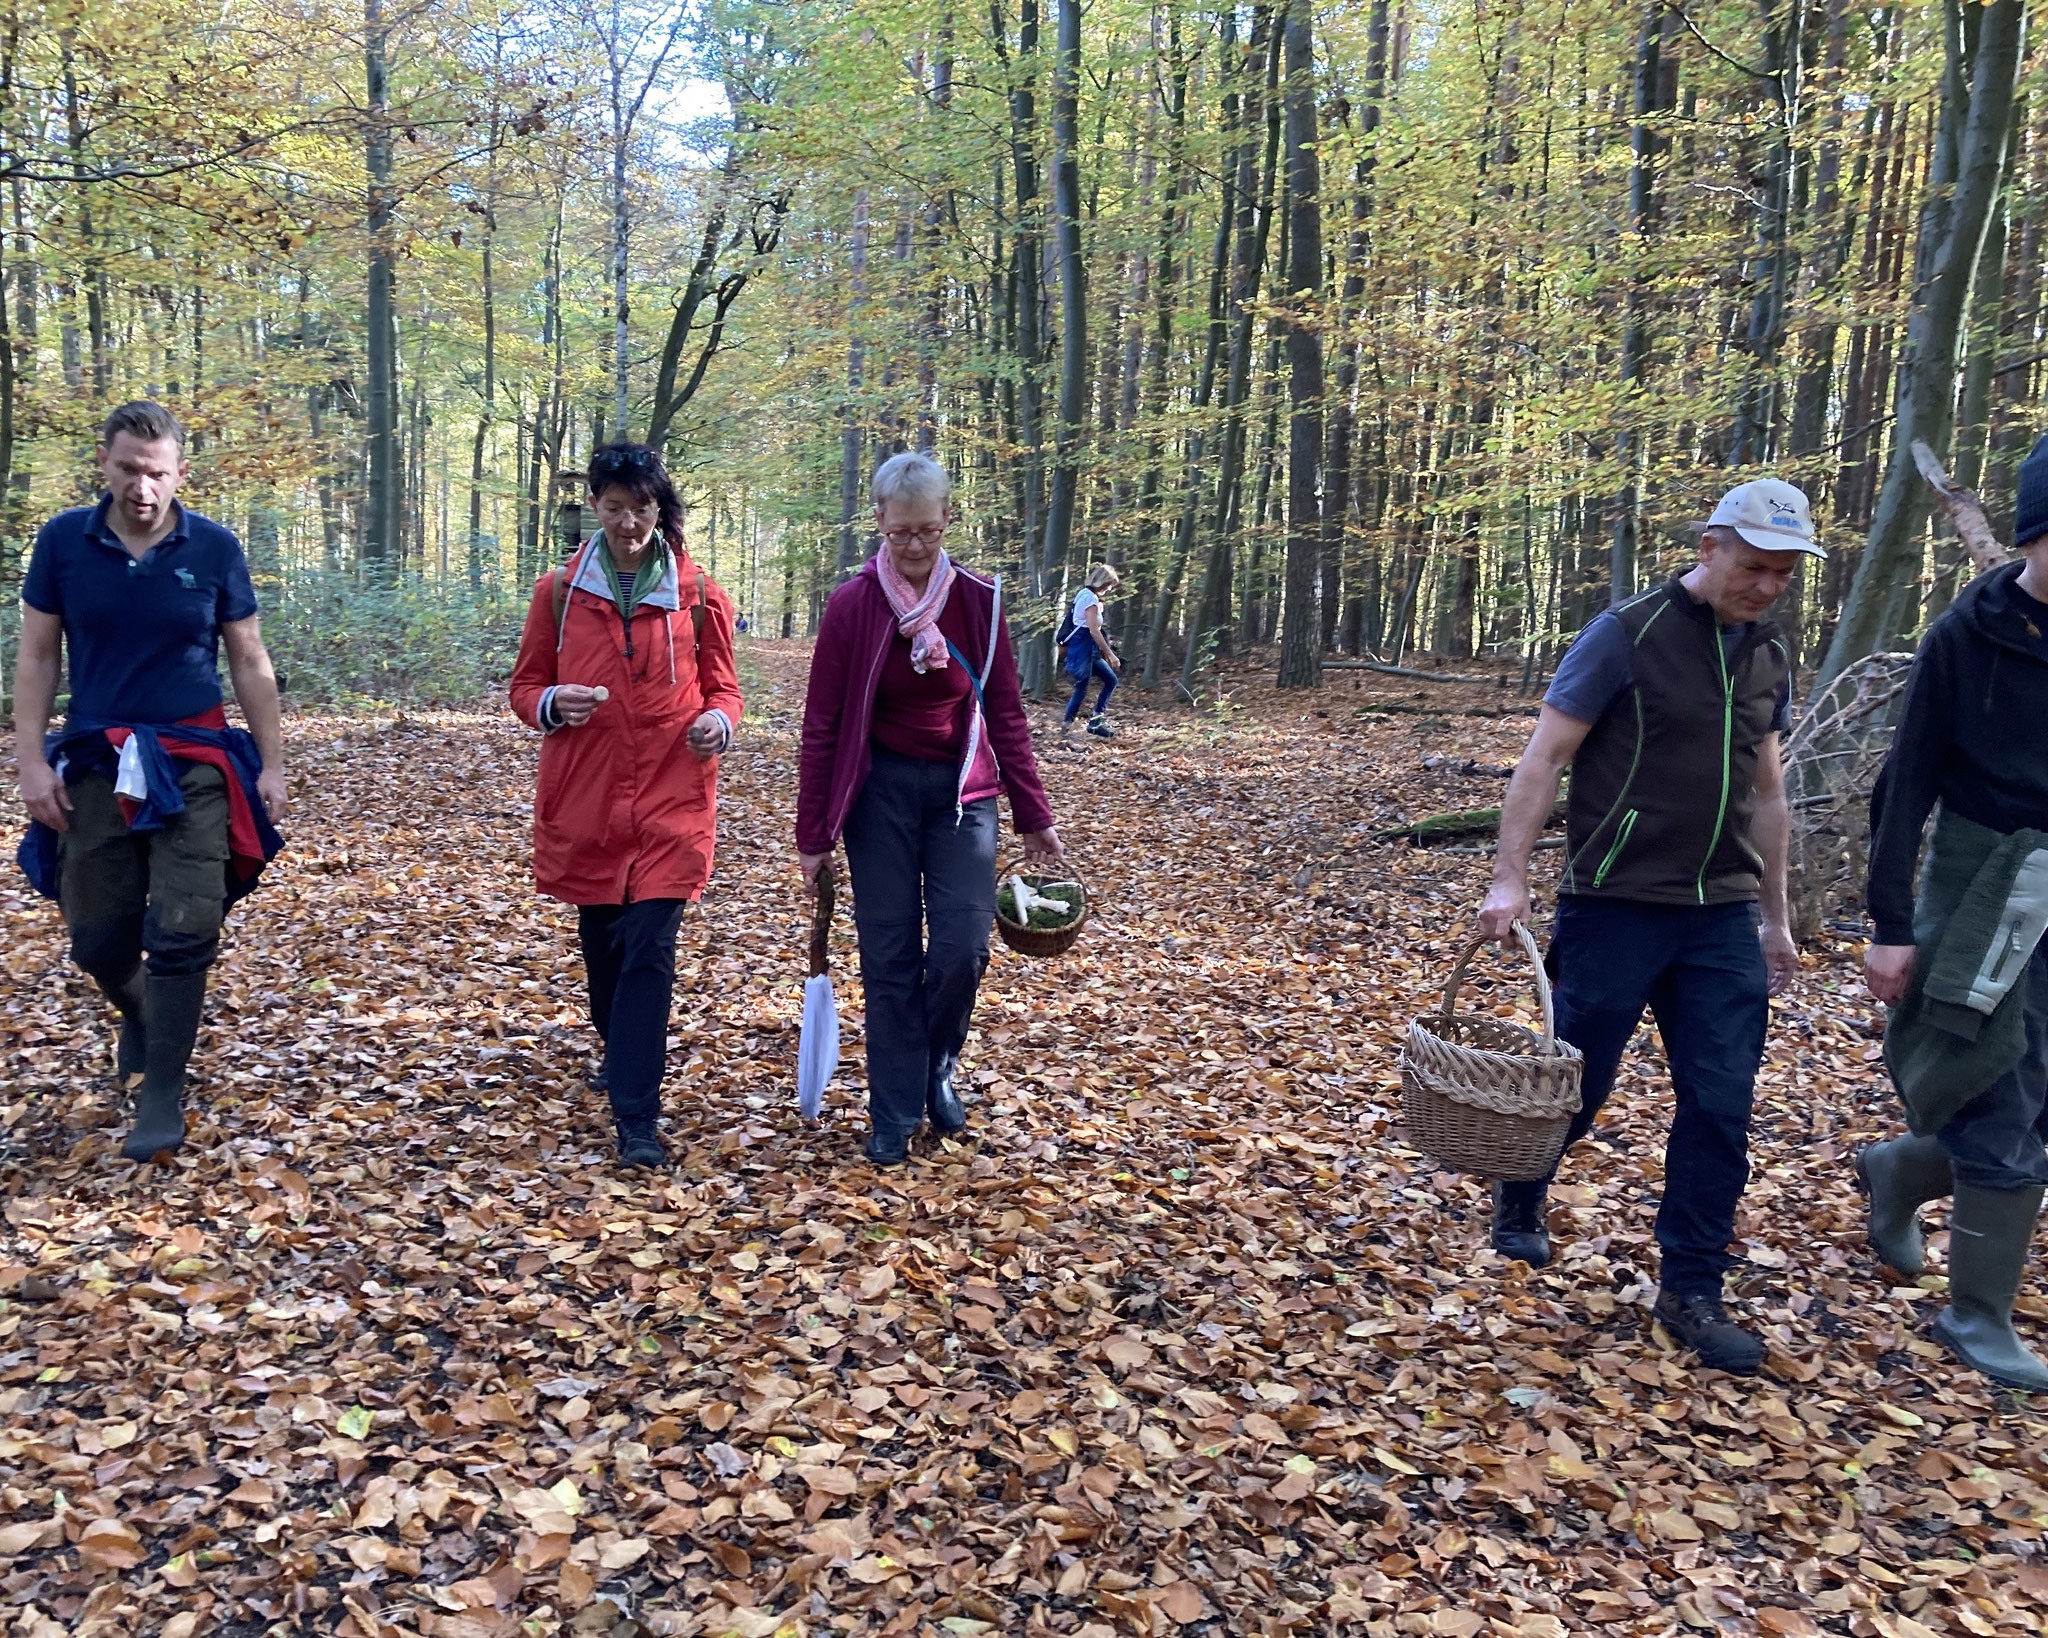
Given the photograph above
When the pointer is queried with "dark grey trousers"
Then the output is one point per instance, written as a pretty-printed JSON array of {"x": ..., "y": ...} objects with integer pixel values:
[
  {"x": 918, "y": 864},
  {"x": 1995, "y": 1141}
]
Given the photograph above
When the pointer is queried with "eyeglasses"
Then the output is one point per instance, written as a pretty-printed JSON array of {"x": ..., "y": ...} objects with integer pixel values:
[{"x": 903, "y": 537}]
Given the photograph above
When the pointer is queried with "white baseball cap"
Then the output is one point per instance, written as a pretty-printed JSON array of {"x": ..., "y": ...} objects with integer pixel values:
[{"x": 1770, "y": 514}]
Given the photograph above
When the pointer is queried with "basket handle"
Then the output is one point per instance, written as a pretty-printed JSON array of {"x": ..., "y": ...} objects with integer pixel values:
[
  {"x": 1535, "y": 960},
  {"x": 826, "y": 893},
  {"x": 1021, "y": 866}
]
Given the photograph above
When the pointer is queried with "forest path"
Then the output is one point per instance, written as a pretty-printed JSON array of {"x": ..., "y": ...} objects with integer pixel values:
[{"x": 1179, "y": 1336}]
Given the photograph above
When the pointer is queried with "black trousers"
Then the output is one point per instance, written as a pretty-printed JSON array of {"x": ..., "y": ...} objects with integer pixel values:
[
  {"x": 629, "y": 959},
  {"x": 918, "y": 863},
  {"x": 1700, "y": 971}
]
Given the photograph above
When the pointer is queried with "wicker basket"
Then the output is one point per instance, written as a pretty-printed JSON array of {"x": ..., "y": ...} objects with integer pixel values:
[
  {"x": 1487, "y": 1097},
  {"x": 1041, "y": 942}
]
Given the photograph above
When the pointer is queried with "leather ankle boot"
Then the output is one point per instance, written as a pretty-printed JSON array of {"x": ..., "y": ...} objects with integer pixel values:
[
  {"x": 942, "y": 1105},
  {"x": 1520, "y": 1228},
  {"x": 1699, "y": 1321}
]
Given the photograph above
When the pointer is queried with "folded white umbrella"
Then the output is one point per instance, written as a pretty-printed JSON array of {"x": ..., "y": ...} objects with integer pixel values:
[{"x": 817, "y": 1050}]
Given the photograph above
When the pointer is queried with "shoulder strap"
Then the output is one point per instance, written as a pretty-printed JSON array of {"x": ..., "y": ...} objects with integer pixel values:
[
  {"x": 560, "y": 583},
  {"x": 697, "y": 618},
  {"x": 967, "y": 666}
]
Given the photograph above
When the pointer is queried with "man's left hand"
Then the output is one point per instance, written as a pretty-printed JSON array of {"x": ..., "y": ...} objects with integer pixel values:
[
  {"x": 1042, "y": 846},
  {"x": 707, "y": 735},
  {"x": 1781, "y": 956},
  {"x": 277, "y": 801}
]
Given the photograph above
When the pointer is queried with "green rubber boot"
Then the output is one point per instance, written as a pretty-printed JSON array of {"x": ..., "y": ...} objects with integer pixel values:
[
  {"x": 1990, "y": 1233},
  {"x": 1900, "y": 1177},
  {"x": 172, "y": 1013}
]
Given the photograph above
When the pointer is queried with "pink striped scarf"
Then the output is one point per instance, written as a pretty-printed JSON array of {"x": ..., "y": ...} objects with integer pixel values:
[{"x": 918, "y": 617}]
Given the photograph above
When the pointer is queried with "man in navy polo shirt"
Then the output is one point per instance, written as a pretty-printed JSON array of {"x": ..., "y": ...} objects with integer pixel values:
[{"x": 161, "y": 812}]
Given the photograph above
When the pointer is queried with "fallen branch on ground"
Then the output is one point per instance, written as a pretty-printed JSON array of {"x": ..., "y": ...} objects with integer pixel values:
[
  {"x": 1403, "y": 671},
  {"x": 1452, "y": 827},
  {"x": 1469, "y": 766},
  {"x": 1449, "y": 710}
]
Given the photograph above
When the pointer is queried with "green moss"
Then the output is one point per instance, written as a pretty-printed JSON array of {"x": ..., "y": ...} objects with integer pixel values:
[{"x": 1043, "y": 920}]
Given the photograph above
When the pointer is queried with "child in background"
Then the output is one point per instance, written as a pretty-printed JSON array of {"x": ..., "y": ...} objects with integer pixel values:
[{"x": 1089, "y": 654}]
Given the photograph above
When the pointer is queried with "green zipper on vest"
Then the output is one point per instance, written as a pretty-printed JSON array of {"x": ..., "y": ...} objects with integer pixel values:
[
  {"x": 1628, "y": 824},
  {"x": 1727, "y": 750}
]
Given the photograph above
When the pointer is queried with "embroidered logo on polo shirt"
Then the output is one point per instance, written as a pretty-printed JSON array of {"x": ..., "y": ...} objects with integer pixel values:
[{"x": 185, "y": 579}]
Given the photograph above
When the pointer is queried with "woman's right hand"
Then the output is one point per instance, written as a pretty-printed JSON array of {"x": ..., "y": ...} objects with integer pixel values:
[
  {"x": 812, "y": 863},
  {"x": 574, "y": 703}
]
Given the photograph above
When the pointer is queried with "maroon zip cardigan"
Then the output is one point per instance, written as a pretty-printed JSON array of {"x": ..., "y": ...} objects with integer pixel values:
[{"x": 854, "y": 635}]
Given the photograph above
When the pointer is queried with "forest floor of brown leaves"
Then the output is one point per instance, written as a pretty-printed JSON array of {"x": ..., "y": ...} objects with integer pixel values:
[{"x": 1179, "y": 1336}]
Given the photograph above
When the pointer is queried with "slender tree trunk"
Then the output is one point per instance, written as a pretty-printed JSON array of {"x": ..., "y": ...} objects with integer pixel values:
[
  {"x": 1771, "y": 267},
  {"x": 1301, "y": 658},
  {"x": 95, "y": 273},
  {"x": 1644, "y": 142},
  {"x": 1987, "y": 309},
  {"x": 851, "y": 432},
  {"x": 1257, "y": 180},
  {"x": 1025, "y": 252},
  {"x": 932, "y": 330},
  {"x": 1883, "y": 599},
  {"x": 1219, "y": 268},
  {"x": 1165, "y": 292},
  {"x": 475, "y": 563},
  {"x": 1059, "y": 515},
  {"x": 380, "y": 544}
]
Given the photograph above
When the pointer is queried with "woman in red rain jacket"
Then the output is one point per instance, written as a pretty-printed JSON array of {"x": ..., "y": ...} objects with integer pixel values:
[{"x": 626, "y": 665}]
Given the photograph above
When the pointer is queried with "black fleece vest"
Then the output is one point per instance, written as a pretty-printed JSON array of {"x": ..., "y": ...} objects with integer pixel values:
[{"x": 1663, "y": 790}]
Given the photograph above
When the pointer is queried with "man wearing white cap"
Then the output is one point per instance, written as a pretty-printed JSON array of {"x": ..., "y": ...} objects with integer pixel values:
[{"x": 1668, "y": 710}]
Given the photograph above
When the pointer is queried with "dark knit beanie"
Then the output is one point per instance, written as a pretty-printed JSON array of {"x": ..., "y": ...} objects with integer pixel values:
[{"x": 2030, "y": 507}]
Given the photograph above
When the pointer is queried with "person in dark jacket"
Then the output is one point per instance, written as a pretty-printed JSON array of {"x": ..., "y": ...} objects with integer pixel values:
[
  {"x": 1973, "y": 739},
  {"x": 1668, "y": 709},
  {"x": 913, "y": 722}
]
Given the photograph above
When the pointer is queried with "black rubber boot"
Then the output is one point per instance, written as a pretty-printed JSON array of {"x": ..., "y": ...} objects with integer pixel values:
[
  {"x": 1520, "y": 1228},
  {"x": 1990, "y": 1234},
  {"x": 171, "y": 1012},
  {"x": 1899, "y": 1177},
  {"x": 942, "y": 1105},
  {"x": 1699, "y": 1322},
  {"x": 641, "y": 1145},
  {"x": 129, "y": 998}
]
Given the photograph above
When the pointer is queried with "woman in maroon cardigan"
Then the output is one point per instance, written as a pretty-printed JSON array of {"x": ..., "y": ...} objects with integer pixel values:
[{"x": 913, "y": 722}]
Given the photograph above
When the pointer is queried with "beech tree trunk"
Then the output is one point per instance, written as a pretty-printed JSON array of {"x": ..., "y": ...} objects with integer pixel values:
[
  {"x": 1301, "y": 657},
  {"x": 380, "y": 499},
  {"x": 1658, "y": 21},
  {"x": 850, "y": 430},
  {"x": 1059, "y": 512},
  {"x": 1883, "y": 600}
]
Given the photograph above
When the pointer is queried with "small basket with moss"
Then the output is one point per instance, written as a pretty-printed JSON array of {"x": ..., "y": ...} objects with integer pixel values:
[{"x": 1040, "y": 915}]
